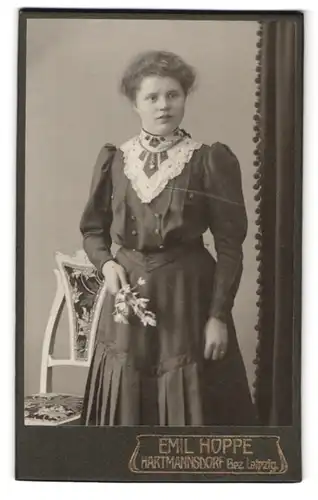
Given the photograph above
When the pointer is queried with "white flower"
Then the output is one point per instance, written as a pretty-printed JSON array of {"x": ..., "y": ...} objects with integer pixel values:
[
  {"x": 148, "y": 319},
  {"x": 141, "y": 281},
  {"x": 135, "y": 307},
  {"x": 152, "y": 321},
  {"x": 122, "y": 307},
  {"x": 119, "y": 296},
  {"x": 126, "y": 298},
  {"x": 143, "y": 302},
  {"x": 119, "y": 318}
]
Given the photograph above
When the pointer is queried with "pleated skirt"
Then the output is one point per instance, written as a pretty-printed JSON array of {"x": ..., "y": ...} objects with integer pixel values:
[{"x": 145, "y": 375}]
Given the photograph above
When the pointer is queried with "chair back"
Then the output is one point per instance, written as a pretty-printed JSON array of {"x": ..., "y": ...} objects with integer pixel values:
[{"x": 82, "y": 290}]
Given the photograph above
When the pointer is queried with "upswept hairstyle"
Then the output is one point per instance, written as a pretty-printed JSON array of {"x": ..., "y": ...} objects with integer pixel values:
[{"x": 159, "y": 63}]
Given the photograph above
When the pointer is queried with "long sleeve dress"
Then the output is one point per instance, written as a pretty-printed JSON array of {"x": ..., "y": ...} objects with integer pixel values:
[{"x": 146, "y": 375}]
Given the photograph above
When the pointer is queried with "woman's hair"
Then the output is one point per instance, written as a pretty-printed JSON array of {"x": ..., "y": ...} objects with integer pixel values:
[{"x": 157, "y": 63}]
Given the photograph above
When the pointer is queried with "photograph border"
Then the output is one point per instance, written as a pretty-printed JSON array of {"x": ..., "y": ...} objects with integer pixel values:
[{"x": 78, "y": 454}]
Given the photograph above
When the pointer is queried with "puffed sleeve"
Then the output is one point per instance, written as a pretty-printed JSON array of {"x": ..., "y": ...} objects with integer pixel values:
[
  {"x": 97, "y": 216},
  {"x": 228, "y": 223}
]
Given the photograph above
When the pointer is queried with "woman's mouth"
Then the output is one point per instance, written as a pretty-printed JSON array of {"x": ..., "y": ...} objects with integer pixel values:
[{"x": 164, "y": 118}]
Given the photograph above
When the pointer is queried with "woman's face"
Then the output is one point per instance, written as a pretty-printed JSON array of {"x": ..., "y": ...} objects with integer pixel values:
[{"x": 160, "y": 103}]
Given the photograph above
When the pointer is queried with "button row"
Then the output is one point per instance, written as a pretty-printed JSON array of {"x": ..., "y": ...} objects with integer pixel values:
[
  {"x": 133, "y": 217},
  {"x": 160, "y": 246},
  {"x": 134, "y": 232}
]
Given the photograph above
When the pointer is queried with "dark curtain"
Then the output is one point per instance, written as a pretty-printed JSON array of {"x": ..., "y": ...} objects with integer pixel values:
[{"x": 277, "y": 111}]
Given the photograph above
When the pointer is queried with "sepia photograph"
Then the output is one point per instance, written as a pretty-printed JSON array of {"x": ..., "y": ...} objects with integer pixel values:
[
  {"x": 149, "y": 220},
  {"x": 172, "y": 130}
]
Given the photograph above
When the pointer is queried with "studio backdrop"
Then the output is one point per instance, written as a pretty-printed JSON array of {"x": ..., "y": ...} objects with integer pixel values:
[{"x": 73, "y": 107}]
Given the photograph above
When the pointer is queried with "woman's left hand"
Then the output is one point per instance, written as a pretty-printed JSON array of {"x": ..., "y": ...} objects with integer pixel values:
[{"x": 216, "y": 339}]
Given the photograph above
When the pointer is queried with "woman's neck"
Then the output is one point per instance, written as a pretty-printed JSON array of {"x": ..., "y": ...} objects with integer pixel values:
[{"x": 172, "y": 133}]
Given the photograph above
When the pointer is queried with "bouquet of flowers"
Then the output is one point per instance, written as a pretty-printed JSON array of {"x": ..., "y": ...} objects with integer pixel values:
[{"x": 128, "y": 300}]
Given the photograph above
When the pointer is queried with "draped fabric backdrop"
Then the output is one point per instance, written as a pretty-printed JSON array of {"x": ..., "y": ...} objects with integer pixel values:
[{"x": 279, "y": 112}]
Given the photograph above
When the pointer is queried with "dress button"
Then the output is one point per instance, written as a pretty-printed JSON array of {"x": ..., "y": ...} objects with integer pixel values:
[
  {"x": 191, "y": 196},
  {"x": 157, "y": 215},
  {"x": 133, "y": 217},
  {"x": 161, "y": 247},
  {"x": 134, "y": 232},
  {"x": 157, "y": 231}
]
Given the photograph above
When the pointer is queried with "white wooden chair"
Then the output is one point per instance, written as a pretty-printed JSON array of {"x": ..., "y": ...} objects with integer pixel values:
[{"x": 82, "y": 290}]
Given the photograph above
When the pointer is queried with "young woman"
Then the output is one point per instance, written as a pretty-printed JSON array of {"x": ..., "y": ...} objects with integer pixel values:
[{"x": 155, "y": 196}]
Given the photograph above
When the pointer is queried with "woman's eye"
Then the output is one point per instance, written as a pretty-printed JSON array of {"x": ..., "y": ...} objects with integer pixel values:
[
  {"x": 172, "y": 95},
  {"x": 152, "y": 98}
]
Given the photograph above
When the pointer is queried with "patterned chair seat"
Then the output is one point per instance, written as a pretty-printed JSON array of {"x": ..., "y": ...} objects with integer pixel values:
[{"x": 52, "y": 409}]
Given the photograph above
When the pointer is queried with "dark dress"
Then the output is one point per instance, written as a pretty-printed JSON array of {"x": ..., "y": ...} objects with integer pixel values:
[{"x": 145, "y": 375}]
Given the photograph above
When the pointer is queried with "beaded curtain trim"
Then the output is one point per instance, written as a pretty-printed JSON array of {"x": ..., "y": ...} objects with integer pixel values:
[{"x": 258, "y": 163}]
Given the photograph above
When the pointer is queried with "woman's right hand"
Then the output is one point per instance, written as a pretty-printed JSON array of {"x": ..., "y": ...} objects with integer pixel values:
[{"x": 115, "y": 276}]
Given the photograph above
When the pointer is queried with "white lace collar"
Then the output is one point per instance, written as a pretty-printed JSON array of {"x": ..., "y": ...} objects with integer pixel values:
[{"x": 149, "y": 172}]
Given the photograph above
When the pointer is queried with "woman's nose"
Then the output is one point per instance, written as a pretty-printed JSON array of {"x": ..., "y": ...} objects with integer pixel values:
[{"x": 163, "y": 103}]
